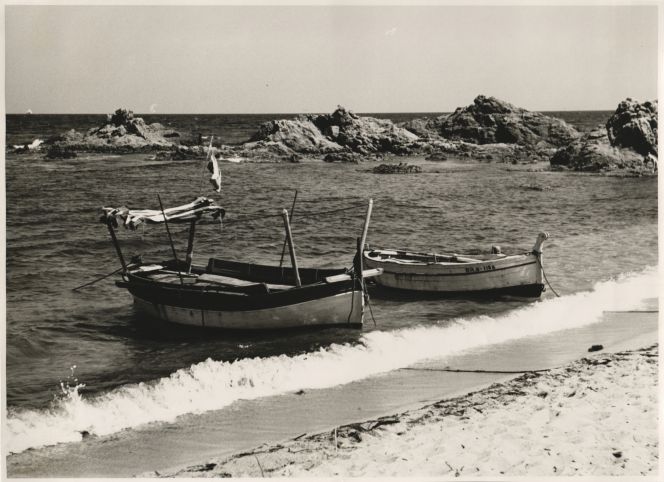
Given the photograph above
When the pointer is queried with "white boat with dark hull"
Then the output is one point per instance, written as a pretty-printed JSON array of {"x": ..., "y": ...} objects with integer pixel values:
[
  {"x": 452, "y": 274},
  {"x": 235, "y": 295}
]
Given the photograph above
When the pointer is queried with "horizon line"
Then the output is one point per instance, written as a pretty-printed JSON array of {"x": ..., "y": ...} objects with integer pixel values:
[{"x": 289, "y": 113}]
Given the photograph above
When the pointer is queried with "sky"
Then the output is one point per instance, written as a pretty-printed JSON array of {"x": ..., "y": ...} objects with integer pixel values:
[{"x": 285, "y": 59}]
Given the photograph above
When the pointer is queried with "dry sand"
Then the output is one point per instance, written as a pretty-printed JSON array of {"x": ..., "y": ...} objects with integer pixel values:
[{"x": 596, "y": 416}]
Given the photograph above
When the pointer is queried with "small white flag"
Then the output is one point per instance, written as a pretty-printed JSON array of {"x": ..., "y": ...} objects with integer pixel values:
[{"x": 215, "y": 178}]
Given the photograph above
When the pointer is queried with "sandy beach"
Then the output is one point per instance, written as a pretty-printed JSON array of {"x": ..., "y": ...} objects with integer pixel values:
[{"x": 595, "y": 416}]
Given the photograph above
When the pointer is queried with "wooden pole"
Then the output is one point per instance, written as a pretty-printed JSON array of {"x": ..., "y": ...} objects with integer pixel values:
[
  {"x": 117, "y": 247},
  {"x": 190, "y": 246},
  {"x": 366, "y": 226},
  {"x": 283, "y": 248},
  {"x": 360, "y": 264},
  {"x": 291, "y": 248},
  {"x": 168, "y": 231}
]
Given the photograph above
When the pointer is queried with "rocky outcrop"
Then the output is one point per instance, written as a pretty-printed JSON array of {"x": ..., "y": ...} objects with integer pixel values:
[
  {"x": 401, "y": 168},
  {"x": 59, "y": 152},
  {"x": 425, "y": 128},
  {"x": 299, "y": 135},
  {"x": 627, "y": 144},
  {"x": 122, "y": 132},
  {"x": 344, "y": 157},
  {"x": 634, "y": 126},
  {"x": 365, "y": 134},
  {"x": 340, "y": 131},
  {"x": 492, "y": 121}
]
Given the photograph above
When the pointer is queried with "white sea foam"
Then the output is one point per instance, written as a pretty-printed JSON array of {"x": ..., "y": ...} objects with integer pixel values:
[{"x": 211, "y": 385}]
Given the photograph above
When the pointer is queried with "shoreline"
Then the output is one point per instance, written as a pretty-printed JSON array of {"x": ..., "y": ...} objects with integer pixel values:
[{"x": 593, "y": 416}]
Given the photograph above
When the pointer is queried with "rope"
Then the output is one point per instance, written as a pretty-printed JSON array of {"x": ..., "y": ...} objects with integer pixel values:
[
  {"x": 368, "y": 300},
  {"x": 97, "y": 280},
  {"x": 352, "y": 303},
  {"x": 539, "y": 260}
]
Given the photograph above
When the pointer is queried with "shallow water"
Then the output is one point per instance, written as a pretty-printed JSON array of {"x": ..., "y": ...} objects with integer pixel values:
[{"x": 602, "y": 229}]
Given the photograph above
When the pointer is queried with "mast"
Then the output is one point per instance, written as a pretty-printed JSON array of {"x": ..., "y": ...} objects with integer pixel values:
[
  {"x": 168, "y": 231},
  {"x": 291, "y": 248},
  {"x": 190, "y": 246},
  {"x": 117, "y": 247}
]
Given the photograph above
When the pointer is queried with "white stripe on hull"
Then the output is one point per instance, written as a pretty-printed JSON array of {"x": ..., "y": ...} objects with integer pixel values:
[
  {"x": 333, "y": 310},
  {"x": 460, "y": 277}
]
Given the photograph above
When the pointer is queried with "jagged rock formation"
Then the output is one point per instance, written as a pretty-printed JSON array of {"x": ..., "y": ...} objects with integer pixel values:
[
  {"x": 340, "y": 131},
  {"x": 300, "y": 135},
  {"x": 628, "y": 143},
  {"x": 492, "y": 121},
  {"x": 634, "y": 126},
  {"x": 121, "y": 133}
]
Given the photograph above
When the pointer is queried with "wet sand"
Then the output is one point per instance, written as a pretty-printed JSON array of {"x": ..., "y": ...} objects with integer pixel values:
[
  {"x": 596, "y": 416},
  {"x": 213, "y": 436}
]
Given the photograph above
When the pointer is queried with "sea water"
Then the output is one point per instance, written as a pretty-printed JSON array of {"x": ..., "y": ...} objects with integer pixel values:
[{"x": 83, "y": 362}]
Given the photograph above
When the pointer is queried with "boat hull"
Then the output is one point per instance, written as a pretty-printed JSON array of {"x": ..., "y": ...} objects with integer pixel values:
[
  {"x": 518, "y": 275},
  {"x": 344, "y": 309}
]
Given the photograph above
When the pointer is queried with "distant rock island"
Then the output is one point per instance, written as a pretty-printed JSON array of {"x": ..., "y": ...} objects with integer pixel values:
[
  {"x": 487, "y": 130},
  {"x": 121, "y": 133}
]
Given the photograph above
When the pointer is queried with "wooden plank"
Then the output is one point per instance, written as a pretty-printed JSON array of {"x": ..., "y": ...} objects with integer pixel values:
[
  {"x": 225, "y": 280},
  {"x": 367, "y": 273}
]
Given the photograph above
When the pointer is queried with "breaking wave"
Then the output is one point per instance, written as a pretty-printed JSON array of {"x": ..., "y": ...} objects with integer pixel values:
[{"x": 211, "y": 385}]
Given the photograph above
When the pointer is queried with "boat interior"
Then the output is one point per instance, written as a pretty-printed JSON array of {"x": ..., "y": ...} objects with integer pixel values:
[
  {"x": 236, "y": 276},
  {"x": 406, "y": 257}
]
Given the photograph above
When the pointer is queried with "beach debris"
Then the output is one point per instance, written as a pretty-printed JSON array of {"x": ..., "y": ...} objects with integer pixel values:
[
  {"x": 617, "y": 454},
  {"x": 259, "y": 465},
  {"x": 543, "y": 394},
  {"x": 203, "y": 467},
  {"x": 300, "y": 392},
  {"x": 595, "y": 348},
  {"x": 457, "y": 472},
  {"x": 368, "y": 426},
  {"x": 84, "y": 434}
]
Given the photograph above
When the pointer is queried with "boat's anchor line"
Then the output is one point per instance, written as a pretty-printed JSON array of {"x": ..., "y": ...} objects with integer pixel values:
[{"x": 539, "y": 260}]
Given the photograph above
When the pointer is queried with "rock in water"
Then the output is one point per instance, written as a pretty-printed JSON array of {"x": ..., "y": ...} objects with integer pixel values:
[
  {"x": 300, "y": 135},
  {"x": 59, "y": 152},
  {"x": 401, "y": 168},
  {"x": 344, "y": 157},
  {"x": 122, "y": 132},
  {"x": 634, "y": 126},
  {"x": 337, "y": 132},
  {"x": 492, "y": 121},
  {"x": 365, "y": 134},
  {"x": 627, "y": 144}
]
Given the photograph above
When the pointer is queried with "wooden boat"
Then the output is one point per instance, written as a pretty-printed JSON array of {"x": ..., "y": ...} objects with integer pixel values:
[
  {"x": 236, "y": 295},
  {"x": 494, "y": 273}
]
